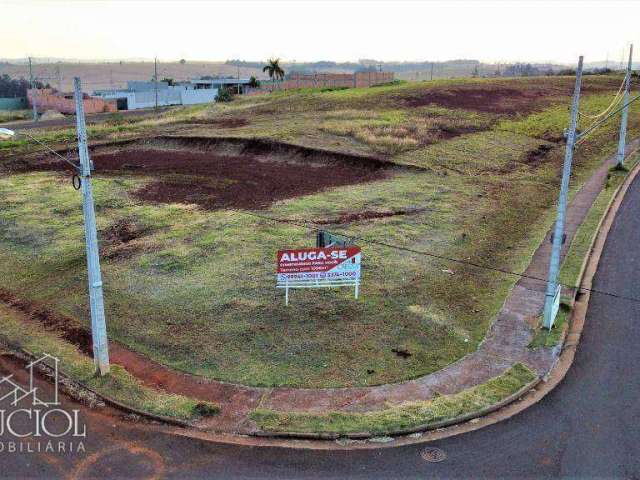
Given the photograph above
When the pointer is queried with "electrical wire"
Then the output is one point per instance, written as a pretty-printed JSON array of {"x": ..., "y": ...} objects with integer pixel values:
[
  {"x": 616, "y": 99},
  {"x": 51, "y": 150},
  {"x": 595, "y": 125},
  {"x": 314, "y": 226}
]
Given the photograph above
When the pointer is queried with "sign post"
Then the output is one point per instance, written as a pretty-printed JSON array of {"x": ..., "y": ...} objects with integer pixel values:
[{"x": 318, "y": 268}]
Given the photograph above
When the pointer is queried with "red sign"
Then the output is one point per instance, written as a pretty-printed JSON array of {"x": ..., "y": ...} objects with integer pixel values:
[{"x": 316, "y": 260}]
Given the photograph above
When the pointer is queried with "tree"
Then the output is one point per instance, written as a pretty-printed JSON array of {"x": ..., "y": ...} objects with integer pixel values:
[
  {"x": 274, "y": 70},
  {"x": 253, "y": 82},
  {"x": 182, "y": 61}
]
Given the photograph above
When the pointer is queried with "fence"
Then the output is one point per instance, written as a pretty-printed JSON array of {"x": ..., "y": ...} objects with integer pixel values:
[{"x": 332, "y": 80}]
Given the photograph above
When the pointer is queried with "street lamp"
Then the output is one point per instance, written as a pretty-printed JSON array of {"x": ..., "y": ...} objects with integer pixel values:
[{"x": 83, "y": 172}]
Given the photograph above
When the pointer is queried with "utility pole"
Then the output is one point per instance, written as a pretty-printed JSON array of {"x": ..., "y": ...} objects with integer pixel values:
[
  {"x": 238, "y": 79},
  {"x": 98, "y": 325},
  {"x": 431, "y": 77},
  {"x": 155, "y": 78},
  {"x": 552, "y": 296},
  {"x": 33, "y": 92},
  {"x": 625, "y": 111}
]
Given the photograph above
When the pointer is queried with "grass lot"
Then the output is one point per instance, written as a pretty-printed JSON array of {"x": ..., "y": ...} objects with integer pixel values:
[
  {"x": 119, "y": 385},
  {"x": 196, "y": 291},
  {"x": 408, "y": 415},
  {"x": 13, "y": 115}
]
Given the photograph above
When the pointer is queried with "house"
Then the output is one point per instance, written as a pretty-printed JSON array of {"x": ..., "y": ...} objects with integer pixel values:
[
  {"x": 141, "y": 94},
  {"x": 52, "y": 99}
]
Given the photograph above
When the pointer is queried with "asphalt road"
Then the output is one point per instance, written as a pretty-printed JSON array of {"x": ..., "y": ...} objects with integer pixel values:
[{"x": 589, "y": 426}]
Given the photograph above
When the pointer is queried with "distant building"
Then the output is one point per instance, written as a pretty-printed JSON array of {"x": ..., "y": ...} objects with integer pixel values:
[
  {"x": 51, "y": 99},
  {"x": 143, "y": 94}
]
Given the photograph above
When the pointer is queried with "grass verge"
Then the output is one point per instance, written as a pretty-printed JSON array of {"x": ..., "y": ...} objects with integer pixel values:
[
  {"x": 119, "y": 384},
  {"x": 584, "y": 236},
  {"x": 403, "y": 416},
  {"x": 551, "y": 338}
]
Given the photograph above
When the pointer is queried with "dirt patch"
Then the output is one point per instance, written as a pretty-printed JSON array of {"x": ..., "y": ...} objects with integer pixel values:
[
  {"x": 501, "y": 100},
  {"x": 368, "y": 215},
  {"x": 214, "y": 179},
  {"x": 537, "y": 156},
  {"x": 402, "y": 353},
  {"x": 66, "y": 327},
  {"x": 219, "y": 122},
  {"x": 123, "y": 231},
  {"x": 120, "y": 240},
  {"x": 217, "y": 173}
]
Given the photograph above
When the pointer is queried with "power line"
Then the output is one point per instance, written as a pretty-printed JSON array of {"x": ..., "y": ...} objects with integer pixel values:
[
  {"x": 594, "y": 126},
  {"x": 315, "y": 226}
]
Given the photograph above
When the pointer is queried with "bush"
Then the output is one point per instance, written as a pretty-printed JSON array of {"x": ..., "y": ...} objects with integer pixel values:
[{"x": 224, "y": 95}]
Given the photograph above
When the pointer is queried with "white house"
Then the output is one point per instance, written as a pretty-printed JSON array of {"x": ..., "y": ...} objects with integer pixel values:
[{"x": 143, "y": 94}]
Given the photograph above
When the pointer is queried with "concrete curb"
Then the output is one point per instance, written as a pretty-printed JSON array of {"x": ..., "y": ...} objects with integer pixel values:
[
  {"x": 508, "y": 407},
  {"x": 406, "y": 431},
  {"x": 574, "y": 328},
  {"x": 105, "y": 398}
]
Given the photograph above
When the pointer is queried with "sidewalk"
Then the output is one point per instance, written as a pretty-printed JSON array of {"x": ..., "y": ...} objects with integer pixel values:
[{"x": 505, "y": 344}]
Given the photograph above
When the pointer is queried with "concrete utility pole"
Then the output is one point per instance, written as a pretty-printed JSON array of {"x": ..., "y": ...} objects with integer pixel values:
[
  {"x": 155, "y": 78},
  {"x": 431, "y": 77},
  {"x": 98, "y": 325},
  {"x": 33, "y": 92},
  {"x": 625, "y": 112},
  {"x": 552, "y": 296}
]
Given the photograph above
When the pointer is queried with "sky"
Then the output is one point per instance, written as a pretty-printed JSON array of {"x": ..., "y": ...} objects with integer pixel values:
[{"x": 490, "y": 31}]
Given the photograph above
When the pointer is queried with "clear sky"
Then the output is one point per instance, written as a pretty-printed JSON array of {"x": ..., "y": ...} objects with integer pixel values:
[{"x": 320, "y": 30}]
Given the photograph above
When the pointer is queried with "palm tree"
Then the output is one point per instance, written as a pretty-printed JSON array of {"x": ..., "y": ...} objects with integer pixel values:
[{"x": 274, "y": 69}]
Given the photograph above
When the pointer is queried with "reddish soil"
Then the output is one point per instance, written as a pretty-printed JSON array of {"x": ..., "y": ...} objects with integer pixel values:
[
  {"x": 237, "y": 401},
  {"x": 215, "y": 181},
  {"x": 501, "y": 100},
  {"x": 366, "y": 215},
  {"x": 66, "y": 327},
  {"x": 537, "y": 156},
  {"x": 118, "y": 240}
]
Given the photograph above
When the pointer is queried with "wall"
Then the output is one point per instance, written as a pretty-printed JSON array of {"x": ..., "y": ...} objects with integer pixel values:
[
  {"x": 19, "y": 103},
  {"x": 192, "y": 97},
  {"x": 334, "y": 80},
  {"x": 49, "y": 99},
  {"x": 178, "y": 95}
]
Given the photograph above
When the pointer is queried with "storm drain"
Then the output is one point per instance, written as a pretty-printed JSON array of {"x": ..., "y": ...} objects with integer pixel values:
[{"x": 433, "y": 454}]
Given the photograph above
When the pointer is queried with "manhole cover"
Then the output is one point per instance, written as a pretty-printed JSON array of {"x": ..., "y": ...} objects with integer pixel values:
[{"x": 433, "y": 454}]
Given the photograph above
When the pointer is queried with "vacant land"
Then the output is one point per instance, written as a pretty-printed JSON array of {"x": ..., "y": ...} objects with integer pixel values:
[{"x": 190, "y": 225}]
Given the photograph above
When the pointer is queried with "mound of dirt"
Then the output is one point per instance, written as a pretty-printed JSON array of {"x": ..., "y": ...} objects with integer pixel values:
[{"x": 216, "y": 181}]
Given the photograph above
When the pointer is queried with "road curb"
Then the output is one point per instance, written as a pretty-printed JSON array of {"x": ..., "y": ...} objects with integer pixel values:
[
  {"x": 405, "y": 431},
  {"x": 519, "y": 401},
  {"x": 22, "y": 352},
  {"x": 507, "y": 408}
]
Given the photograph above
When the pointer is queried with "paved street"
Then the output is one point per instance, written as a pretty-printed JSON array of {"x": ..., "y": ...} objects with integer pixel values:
[{"x": 587, "y": 427}]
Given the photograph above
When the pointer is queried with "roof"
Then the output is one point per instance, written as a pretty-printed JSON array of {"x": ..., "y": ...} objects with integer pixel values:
[{"x": 221, "y": 81}]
